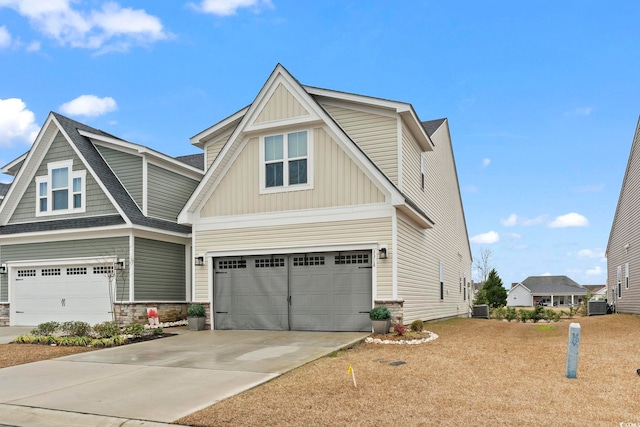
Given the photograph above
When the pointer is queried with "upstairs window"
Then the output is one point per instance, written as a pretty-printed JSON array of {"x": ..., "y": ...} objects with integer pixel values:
[
  {"x": 286, "y": 162},
  {"x": 61, "y": 190}
]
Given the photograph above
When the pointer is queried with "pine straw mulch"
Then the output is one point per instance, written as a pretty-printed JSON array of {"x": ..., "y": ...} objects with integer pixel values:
[
  {"x": 478, "y": 372},
  {"x": 17, "y": 354}
]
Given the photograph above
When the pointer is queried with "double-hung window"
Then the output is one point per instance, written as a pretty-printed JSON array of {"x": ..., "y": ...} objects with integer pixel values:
[
  {"x": 61, "y": 191},
  {"x": 626, "y": 276},
  {"x": 286, "y": 162}
]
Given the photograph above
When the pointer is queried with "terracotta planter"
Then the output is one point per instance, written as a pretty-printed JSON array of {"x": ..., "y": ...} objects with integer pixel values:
[{"x": 381, "y": 326}]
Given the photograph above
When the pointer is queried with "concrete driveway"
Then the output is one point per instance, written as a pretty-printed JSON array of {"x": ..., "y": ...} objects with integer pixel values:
[
  {"x": 7, "y": 333},
  {"x": 165, "y": 379}
]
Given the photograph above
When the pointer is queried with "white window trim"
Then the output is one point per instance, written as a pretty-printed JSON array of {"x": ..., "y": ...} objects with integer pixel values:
[
  {"x": 285, "y": 167},
  {"x": 619, "y": 284},
  {"x": 82, "y": 174}
]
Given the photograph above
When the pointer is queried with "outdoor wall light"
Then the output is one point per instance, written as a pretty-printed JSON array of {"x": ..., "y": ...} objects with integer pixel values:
[
  {"x": 199, "y": 260},
  {"x": 120, "y": 264},
  {"x": 382, "y": 252},
  {"x": 3, "y": 269}
]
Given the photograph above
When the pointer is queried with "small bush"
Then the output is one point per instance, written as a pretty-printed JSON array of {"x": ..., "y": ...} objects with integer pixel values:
[
  {"x": 106, "y": 330},
  {"x": 524, "y": 315},
  {"x": 47, "y": 328},
  {"x": 158, "y": 331},
  {"x": 417, "y": 325},
  {"x": 136, "y": 329},
  {"x": 537, "y": 313},
  {"x": 196, "y": 310},
  {"x": 498, "y": 313},
  {"x": 511, "y": 314},
  {"x": 75, "y": 328},
  {"x": 83, "y": 341},
  {"x": 380, "y": 312},
  {"x": 23, "y": 339},
  {"x": 399, "y": 329}
]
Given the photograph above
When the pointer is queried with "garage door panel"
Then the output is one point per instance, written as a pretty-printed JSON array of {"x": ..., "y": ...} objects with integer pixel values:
[{"x": 60, "y": 294}]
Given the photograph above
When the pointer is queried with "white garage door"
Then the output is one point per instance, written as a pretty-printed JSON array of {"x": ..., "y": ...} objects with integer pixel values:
[{"x": 60, "y": 294}]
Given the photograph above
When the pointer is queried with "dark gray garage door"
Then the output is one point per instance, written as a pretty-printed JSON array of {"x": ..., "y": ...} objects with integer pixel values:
[{"x": 328, "y": 291}]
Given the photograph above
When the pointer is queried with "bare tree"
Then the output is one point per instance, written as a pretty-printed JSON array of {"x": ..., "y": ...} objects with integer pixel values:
[{"x": 483, "y": 265}]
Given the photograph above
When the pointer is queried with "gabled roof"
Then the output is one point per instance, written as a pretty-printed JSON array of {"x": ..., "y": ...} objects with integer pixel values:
[
  {"x": 195, "y": 160},
  {"x": 594, "y": 288},
  {"x": 514, "y": 286},
  {"x": 3, "y": 189},
  {"x": 431, "y": 126},
  {"x": 636, "y": 140},
  {"x": 86, "y": 150},
  {"x": 552, "y": 285},
  {"x": 241, "y": 121}
]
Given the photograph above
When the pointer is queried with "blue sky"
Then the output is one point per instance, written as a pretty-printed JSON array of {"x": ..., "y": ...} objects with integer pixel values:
[{"x": 542, "y": 97}]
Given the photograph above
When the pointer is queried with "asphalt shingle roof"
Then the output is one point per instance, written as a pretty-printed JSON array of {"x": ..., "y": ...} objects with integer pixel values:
[
  {"x": 3, "y": 189},
  {"x": 430, "y": 126},
  {"x": 195, "y": 160},
  {"x": 553, "y": 285},
  {"x": 62, "y": 224}
]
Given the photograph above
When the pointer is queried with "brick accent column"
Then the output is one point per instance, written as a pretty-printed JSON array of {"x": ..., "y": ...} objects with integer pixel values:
[{"x": 396, "y": 307}]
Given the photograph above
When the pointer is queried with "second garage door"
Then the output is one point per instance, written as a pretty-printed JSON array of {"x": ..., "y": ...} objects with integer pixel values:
[{"x": 328, "y": 291}]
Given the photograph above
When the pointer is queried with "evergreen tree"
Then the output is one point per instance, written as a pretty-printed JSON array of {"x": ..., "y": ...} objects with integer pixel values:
[{"x": 492, "y": 292}]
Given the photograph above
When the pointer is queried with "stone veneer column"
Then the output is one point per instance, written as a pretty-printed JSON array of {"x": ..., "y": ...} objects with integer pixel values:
[{"x": 395, "y": 306}]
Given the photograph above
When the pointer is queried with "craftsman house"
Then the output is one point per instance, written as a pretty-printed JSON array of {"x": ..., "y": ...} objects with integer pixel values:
[
  {"x": 545, "y": 290},
  {"x": 87, "y": 228},
  {"x": 623, "y": 249},
  {"x": 318, "y": 204}
]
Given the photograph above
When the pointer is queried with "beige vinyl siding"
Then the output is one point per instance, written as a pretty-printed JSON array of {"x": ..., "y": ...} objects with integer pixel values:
[
  {"x": 112, "y": 246},
  {"x": 324, "y": 233},
  {"x": 626, "y": 231},
  {"x": 338, "y": 181},
  {"x": 159, "y": 270},
  {"x": 214, "y": 146},
  {"x": 96, "y": 201},
  {"x": 376, "y": 135},
  {"x": 411, "y": 172},
  {"x": 128, "y": 169},
  {"x": 282, "y": 105},
  {"x": 167, "y": 192},
  {"x": 421, "y": 252}
]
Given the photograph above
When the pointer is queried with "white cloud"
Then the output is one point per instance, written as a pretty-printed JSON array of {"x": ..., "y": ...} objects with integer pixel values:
[
  {"x": 580, "y": 111},
  {"x": 5, "y": 37},
  {"x": 486, "y": 238},
  {"x": 89, "y": 105},
  {"x": 33, "y": 47},
  {"x": 569, "y": 220},
  {"x": 230, "y": 7},
  {"x": 546, "y": 274},
  {"x": 16, "y": 122},
  {"x": 595, "y": 271},
  {"x": 588, "y": 253},
  {"x": 514, "y": 220},
  {"x": 486, "y": 162},
  {"x": 112, "y": 28}
]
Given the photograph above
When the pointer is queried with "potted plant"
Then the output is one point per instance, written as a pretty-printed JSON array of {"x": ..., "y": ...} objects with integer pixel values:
[
  {"x": 380, "y": 319},
  {"x": 196, "y": 317}
]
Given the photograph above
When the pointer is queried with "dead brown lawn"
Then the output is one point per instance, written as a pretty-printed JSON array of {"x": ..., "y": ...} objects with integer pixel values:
[
  {"x": 17, "y": 354},
  {"x": 478, "y": 372}
]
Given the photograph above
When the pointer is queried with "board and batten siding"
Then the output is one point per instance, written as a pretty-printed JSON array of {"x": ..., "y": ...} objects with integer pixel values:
[
  {"x": 96, "y": 201},
  {"x": 128, "y": 169},
  {"x": 159, "y": 271},
  {"x": 338, "y": 181},
  {"x": 111, "y": 246},
  {"x": 376, "y": 135},
  {"x": 626, "y": 231},
  {"x": 214, "y": 146},
  {"x": 302, "y": 235},
  {"x": 281, "y": 105},
  {"x": 167, "y": 192}
]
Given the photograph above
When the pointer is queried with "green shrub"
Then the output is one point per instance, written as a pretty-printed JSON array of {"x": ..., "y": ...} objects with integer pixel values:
[
  {"x": 537, "y": 313},
  {"x": 158, "y": 331},
  {"x": 106, "y": 330},
  {"x": 47, "y": 328},
  {"x": 417, "y": 325},
  {"x": 83, "y": 341},
  {"x": 524, "y": 315},
  {"x": 498, "y": 313},
  {"x": 380, "y": 312},
  {"x": 511, "y": 314},
  {"x": 76, "y": 328},
  {"x": 23, "y": 339},
  {"x": 135, "y": 329},
  {"x": 196, "y": 310}
]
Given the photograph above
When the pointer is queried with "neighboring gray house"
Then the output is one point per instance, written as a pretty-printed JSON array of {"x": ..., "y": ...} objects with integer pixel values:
[
  {"x": 88, "y": 226},
  {"x": 545, "y": 290},
  {"x": 623, "y": 249}
]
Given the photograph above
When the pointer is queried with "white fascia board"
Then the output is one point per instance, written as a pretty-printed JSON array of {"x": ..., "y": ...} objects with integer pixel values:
[
  {"x": 28, "y": 170},
  {"x": 277, "y": 250},
  {"x": 93, "y": 173},
  {"x": 65, "y": 234},
  {"x": 200, "y": 138},
  {"x": 306, "y": 216},
  {"x": 63, "y": 261},
  {"x": 415, "y": 216},
  {"x": 132, "y": 148},
  {"x": 159, "y": 232},
  {"x": 5, "y": 168}
]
